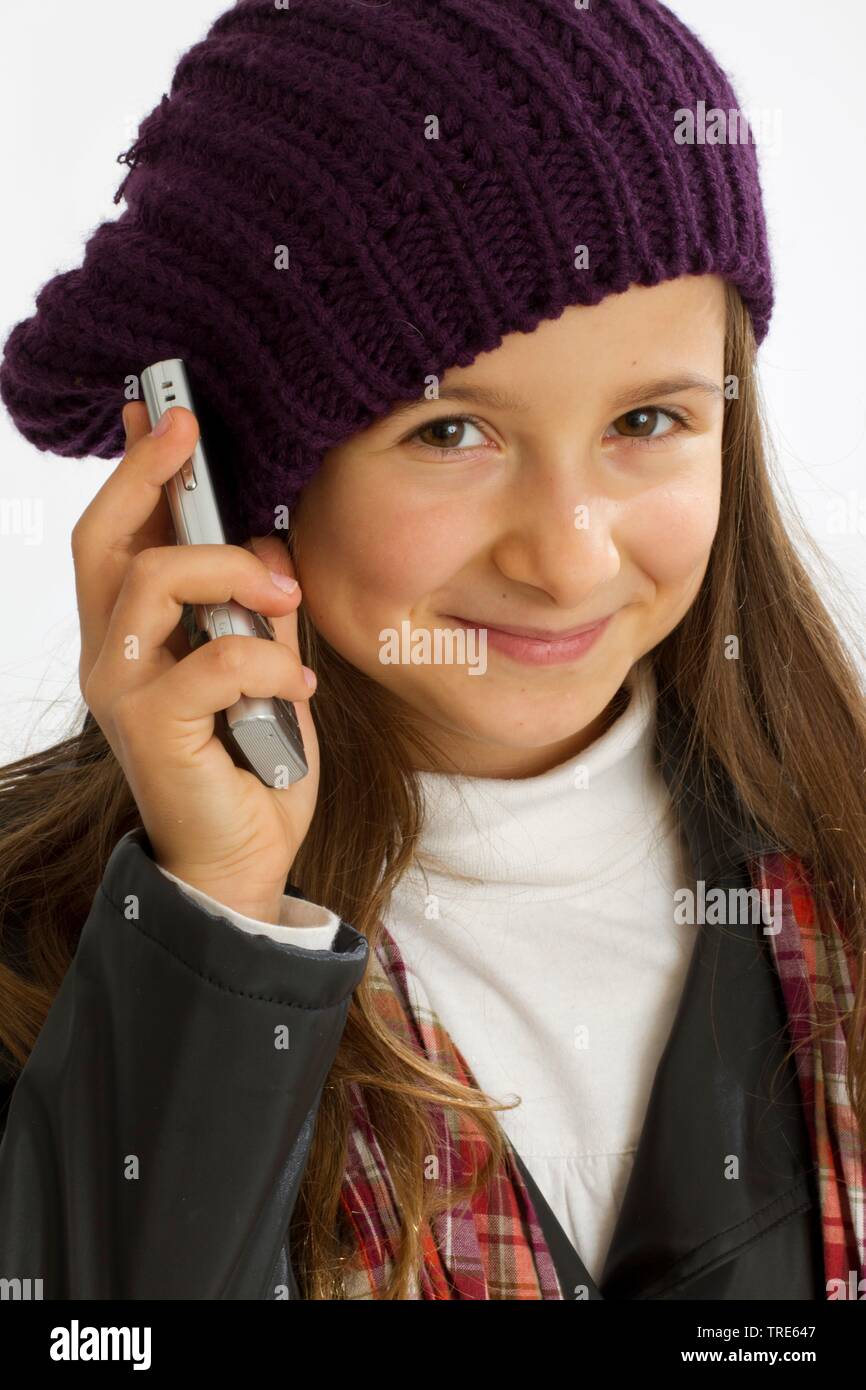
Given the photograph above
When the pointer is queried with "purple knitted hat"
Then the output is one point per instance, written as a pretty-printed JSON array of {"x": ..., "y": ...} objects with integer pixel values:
[{"x": 338, "y": 199}]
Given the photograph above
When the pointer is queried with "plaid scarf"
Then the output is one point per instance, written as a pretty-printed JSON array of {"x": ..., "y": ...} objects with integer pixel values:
[
  {"x": 818, "y": 984},
  {"x": 493, "y": 1246}
]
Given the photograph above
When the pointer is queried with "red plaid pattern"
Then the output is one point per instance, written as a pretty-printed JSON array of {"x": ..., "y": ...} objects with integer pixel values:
[
  {"x": 493, "y": 1247},
  {"x": 818, "y": 983}
]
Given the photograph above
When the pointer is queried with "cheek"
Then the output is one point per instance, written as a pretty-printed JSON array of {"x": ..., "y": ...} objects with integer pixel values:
[
  {"x": 670, "y": 530},
  {"x": 370, "y": 559},
  {"x": 411, "y": 553}
]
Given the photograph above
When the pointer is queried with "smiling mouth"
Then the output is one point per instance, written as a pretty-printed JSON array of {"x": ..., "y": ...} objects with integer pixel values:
[{"x": 533, "y": 634}]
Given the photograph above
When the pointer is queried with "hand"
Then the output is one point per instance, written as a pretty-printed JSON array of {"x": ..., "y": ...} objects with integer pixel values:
[{"x": 213, "y": 824}]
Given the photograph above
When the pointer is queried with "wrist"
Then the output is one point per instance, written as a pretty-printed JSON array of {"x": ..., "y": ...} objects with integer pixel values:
[{"x": 261, "y": 908}]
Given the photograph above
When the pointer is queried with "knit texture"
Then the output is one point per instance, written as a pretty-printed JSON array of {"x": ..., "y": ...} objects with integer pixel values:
[{"x": 294, "y": 233}]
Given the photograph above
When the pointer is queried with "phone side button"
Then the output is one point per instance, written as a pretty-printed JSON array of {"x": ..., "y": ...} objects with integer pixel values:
[{"x": 187, "y": 474}]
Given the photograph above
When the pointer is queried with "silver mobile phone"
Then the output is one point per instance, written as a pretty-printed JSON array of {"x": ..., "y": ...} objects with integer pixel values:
[{"x": 262, "y": 734}]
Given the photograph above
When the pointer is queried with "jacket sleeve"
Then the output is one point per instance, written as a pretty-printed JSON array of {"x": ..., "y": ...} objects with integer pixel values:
[{"x": 156, "y": 1138}]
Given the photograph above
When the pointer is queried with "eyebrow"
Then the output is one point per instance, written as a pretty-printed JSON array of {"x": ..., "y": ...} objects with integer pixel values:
[{"x": 505, "y": 400}]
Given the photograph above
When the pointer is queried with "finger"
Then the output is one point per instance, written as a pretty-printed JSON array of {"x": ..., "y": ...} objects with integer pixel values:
[
  {"x": 136, "y": 422},
  {"x": 129, "y": 508},
  {"x": 274, "y": 553},
  {"x": 159, "y": 528},
  {"x": 127, "y": 498},
  {"x": 185, "y": 698},
  {"x": 157, "y": 584}
]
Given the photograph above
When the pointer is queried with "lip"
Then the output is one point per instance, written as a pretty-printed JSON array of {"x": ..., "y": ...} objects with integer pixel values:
[
  {"x": 536, "y": 647},
  {"x": 540, "y": 634}
]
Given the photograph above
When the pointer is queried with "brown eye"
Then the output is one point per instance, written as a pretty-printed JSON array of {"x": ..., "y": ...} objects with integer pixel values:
[
  {"x": 640, "y": 424},
  {"x": 448, "y": 435},
  {"x": 442, "y": 433}
]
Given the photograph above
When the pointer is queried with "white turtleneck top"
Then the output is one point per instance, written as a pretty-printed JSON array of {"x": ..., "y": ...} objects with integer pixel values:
[{"x": 557, "y": 972}]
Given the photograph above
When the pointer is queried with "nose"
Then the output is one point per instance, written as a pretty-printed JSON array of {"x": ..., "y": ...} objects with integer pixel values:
[{"x": 556, "y": 537}]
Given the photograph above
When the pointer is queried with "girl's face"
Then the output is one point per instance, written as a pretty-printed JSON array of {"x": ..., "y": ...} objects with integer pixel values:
[{"x": 592, "y": 490}]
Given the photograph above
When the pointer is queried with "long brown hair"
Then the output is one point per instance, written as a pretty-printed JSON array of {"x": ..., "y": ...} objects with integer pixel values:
[{"x": 786, "y": 722}]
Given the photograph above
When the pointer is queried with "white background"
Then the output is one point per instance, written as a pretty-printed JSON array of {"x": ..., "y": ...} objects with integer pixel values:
[{"x": 78, "y": 77}]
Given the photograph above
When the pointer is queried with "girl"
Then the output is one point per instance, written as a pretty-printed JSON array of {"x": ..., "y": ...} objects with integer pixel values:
[{"x": 482, "y": 1008}]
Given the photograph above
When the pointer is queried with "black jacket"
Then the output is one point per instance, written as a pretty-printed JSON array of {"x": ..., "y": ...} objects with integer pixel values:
[{"x": 156, "y": 1138}]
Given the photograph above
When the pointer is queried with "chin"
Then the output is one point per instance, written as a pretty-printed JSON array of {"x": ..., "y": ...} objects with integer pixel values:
[{"x": 522, "y": 724}]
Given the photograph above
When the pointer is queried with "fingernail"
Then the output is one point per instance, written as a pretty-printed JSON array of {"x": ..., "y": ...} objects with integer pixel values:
[
  {"x": 163, "y": 424},
  {"x": 283, "y": 581},
  {"x": 309, "y": 676}
]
